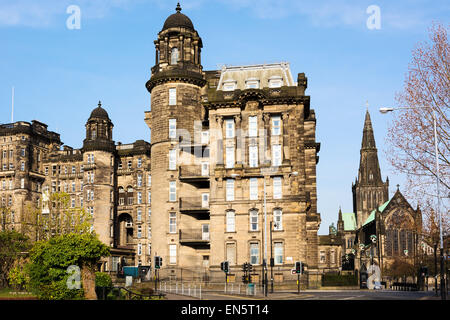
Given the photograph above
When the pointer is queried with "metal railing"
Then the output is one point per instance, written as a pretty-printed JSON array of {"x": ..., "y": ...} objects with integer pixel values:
[
  {"x": 193, "y": 203},
  {"x": 194, "y": 235}
]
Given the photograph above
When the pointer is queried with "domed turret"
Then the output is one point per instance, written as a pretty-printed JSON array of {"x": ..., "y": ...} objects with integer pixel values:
[
  {"x": 177, "y": 20},
  {"x": 99, "y": 131},
  {"x": 178, "y": 53}
]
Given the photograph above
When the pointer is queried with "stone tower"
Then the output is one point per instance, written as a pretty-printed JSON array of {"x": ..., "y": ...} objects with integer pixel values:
[
  {"x": 175, "y": 87},
  {"x": 98, "y": 165},
  {"x": 369, "y": 190}
]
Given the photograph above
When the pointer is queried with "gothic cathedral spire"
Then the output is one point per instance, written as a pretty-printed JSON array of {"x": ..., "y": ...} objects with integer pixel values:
[{"x": 369, "y": 190}]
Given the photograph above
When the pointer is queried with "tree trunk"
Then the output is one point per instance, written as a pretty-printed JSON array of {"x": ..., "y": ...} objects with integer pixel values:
[{"x": 88, "y": 279}]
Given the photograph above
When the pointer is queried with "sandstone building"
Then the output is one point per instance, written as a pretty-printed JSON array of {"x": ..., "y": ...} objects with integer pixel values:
[{"x": 220, "y": 141}]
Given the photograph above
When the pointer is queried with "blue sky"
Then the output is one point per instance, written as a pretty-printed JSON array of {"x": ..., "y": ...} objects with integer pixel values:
[{"x": 60, "y": 74}]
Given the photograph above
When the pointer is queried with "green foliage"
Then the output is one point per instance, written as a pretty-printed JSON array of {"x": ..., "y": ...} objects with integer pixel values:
[
  {"x": 12, "y": 245},
  {"x": 18, "y": 277},
  {"x": 50, "y": 260},
  {"x": 102, "y": 280},
  {"x": 336, "y": 280}
]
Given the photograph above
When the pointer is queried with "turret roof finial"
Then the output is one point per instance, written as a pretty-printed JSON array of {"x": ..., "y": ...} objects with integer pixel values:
[
  {"x": 99, "y": 103},
  {"x": 178, "y": 9}
]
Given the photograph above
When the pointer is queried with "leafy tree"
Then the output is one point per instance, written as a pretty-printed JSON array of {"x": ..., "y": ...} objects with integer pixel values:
[
  {"x": 55, "y": 217},
  {"x": 12, "y": 245},
  {"x": 50, "y": 260}
]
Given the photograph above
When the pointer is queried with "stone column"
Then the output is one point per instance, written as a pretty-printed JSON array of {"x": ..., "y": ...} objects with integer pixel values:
[
  {"x": 286, "y": 153},
  {"x": 239, "y": 144},
  {"x": 266, "y": 139}
]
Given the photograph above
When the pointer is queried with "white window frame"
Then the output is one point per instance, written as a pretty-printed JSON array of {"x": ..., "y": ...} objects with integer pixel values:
[
  {"x": 229, "y": 129},
  {"x": 253, "y": 126},
  {"x": 172, "y": 159},
  {"x": 230, "y": 157},
  {"x": 253, "y": 183},
  {"x": 172, "y": 191},
  {"x": 229, "y": 190},
  {"x": 230, "y": 221},
  {"x": 254, "y": 253},
  {"x": 253, "y": 156},
  {"x": 172, "y": 96},
  {"x": 172, "y": 253},
  {"x": 172, "y": 222},
  {"x": 277, "y": 188},
  {"x": 254, "y": 220},
  {"x": 276, "y": 125},
  {"x": 278, "y": 253},
  {"x": 277, "y": 220},
  {"x": 172, "y": 128},
  {"x": 276, "y": 155}
]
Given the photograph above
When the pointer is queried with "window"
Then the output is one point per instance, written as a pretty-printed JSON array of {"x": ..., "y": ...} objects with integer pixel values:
[
  {"x": 253, "y": 156},
  {"x": 172, "y": 253},
  {"x": 81, "y": 202},
  {"x": 114, "y": 264},
  {"x": 229, "y": 85},
  {"x": 253, "y": 189},
  {"x": 139, "y": 163},
  {"x": 322, "y": 257},
  {"x": 277, "y": 219},
  {"x": 73, "y": 187},
  {"x": 139, "y": 197},
  {"x": 173, "y": 159},
  {"x": 22, "y": 183},
  {"x": 253, "y": 220},
  {"x": 149, "y": 197},
  {"x": 22, "y": 166},
  {"x": 278, "y": 252},
  {"x": 129, "y": 164},
  {"x": 275, "y": 82},
  {"x": 229, "y": 128},
  {"x": 139, "y": 249},
  {"x": 230, "y": 157},
  {"x": 74, "y": 170},
  {"x": 139, "y": 180},
  {"x": 22, "y": 152},
  {"x": 139, "y": 232},
  {"x": 174, "y": 56},
  {"x": 230, "y": 221},
  {"x": 172, "y": 97},
  {"x": 73, "y": 202},
  {"x": 231, "y": 253},
  {"x": 253, "y": 126},
  {"x": 139, "y": 215},
  {"x": 276, "y": 155},
  {"x": 172, "y": 128},
  {"x": 172, "y": 191},
  {"x": 277, "y": 192},
  {"x": 172, "y": 222},
  {"x": 149, "y": 213},
  {"x": 276, "y": 125},
  {"x": 149, "y": 180},
  {"x": 120, "y": 165},
  {"x": 252, "y": 84},
  {"x": 332, "y": 257},
  {"x": 230, "y": 190},
  {"x": 254, "y": 253}
]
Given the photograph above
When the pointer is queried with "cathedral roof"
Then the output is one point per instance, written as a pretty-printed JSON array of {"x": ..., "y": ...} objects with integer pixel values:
[
  {"x": 178, "y": 20},
  {"x": 372, "y": 214},
  {"x": 368, "y": 141},
  {"x": 349, "y": 221}
]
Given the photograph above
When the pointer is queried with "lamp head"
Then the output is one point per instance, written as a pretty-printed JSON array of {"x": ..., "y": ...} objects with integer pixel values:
[{"x": 386, "y": 110}]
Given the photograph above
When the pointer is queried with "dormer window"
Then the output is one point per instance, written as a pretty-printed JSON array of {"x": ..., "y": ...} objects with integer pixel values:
[
  {"x": 229, "y": 85},
  {"x": 174, "y": 56},
  {"x": 275, "y": 82},
  {"x": 252, "y": 84}
]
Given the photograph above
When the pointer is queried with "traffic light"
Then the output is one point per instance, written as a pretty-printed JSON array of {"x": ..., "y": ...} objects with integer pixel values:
[
  {"x": 224, "y": 266},
  {"x": 158, "y": 262},
  {"x": 245, "y": 267},
  {"x": 250, "y": 268},
  {"x": 298, "y": 267}
]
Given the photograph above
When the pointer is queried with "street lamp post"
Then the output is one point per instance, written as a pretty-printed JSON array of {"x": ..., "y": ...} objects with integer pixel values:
[
  {"x": 386, "y": 110},
  {"x": 264, "y": 172}
]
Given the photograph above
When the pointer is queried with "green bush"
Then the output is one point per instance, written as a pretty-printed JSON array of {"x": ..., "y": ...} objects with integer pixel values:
[
  {"x": 102, "y": 280},
  {"x": 18, "y": 278},
  {"x": 336, "y": 280}
]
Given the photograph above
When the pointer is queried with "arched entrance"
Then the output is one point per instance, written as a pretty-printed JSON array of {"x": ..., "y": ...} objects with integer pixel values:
[{"x": 125, "y": 229}]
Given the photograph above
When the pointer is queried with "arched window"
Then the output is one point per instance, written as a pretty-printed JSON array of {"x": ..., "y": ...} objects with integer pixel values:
[{"x": 174, "y": 56}]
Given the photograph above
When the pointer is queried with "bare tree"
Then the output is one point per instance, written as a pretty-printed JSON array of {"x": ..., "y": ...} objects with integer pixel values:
[{"x": 411, "y": 144}]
